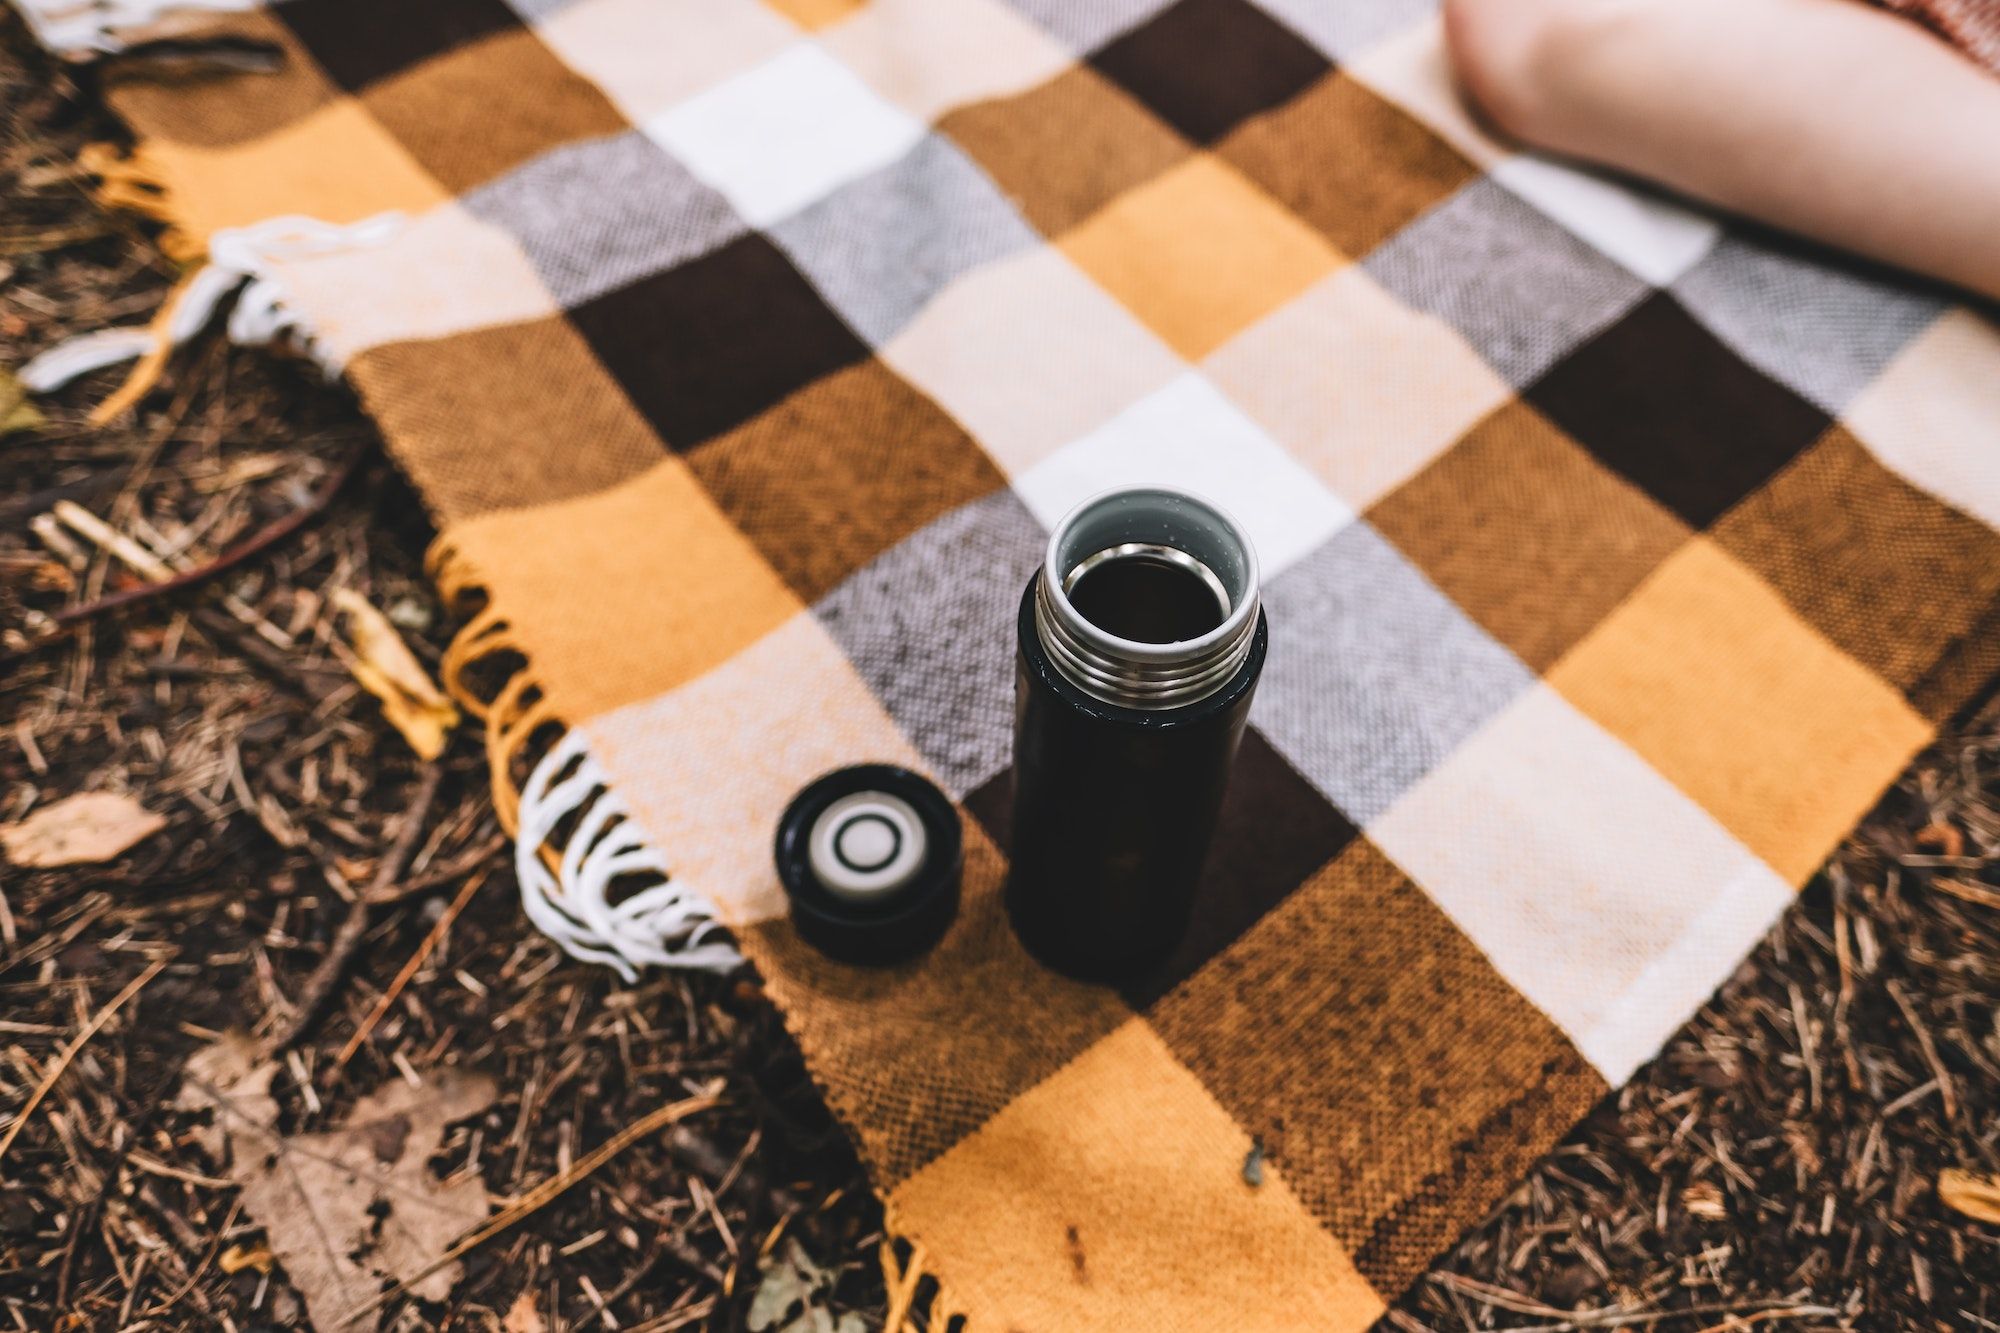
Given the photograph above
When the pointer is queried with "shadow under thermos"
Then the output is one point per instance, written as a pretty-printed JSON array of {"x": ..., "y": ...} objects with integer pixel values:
[{"x": 1140, "y": 641}]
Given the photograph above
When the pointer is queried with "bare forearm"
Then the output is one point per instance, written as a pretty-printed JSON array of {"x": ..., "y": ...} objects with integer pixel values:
[{"x": 1821, "y": 116}]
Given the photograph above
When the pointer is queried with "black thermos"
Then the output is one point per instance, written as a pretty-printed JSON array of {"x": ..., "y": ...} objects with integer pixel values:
[{"x": 1139, "y": 645}]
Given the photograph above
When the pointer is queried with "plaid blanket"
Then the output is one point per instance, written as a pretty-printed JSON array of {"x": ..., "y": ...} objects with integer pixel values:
[{"x": 1616, "y": 560}]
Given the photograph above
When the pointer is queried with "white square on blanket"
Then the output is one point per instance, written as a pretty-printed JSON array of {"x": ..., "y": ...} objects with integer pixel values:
[{"x": 779, "y": 136}]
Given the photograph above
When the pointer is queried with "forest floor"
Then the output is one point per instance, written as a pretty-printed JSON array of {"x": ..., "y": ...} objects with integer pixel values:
[{"x": 1776, "y": 1167}]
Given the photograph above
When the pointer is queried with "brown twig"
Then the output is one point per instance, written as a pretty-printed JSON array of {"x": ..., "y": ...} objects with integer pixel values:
[
  {"x": 310, "y": 682},
  {"x": 1945, "y": 1093},
  {"x": 18, "y": 509},
  {"x": 456, "y": 868},
  {"x": 1977, "y": 894},
  {"x": 437, "y": 933},
  {"x": 1581, "y": 1321},
  {"x": 697, "y": 1153},
  {"x": 82, "y": 1223},
  {"x": 263, "y": 539},
  {"x": 61, "y": 1062},
  {"x": 319, "y": 986},
  {"x": 203, "y": 1260}
]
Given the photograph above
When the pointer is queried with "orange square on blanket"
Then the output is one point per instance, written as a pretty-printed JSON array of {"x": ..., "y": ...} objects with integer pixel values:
[
  {"x": 815, "y": 14},
  {"x": 1200, "y": 253},
  {"x": 625, "y": 593},
  {"x": 1044, "y": 1210},
  {"x": 1716, "y": 682},
  {"x": 337, "y": 165}
]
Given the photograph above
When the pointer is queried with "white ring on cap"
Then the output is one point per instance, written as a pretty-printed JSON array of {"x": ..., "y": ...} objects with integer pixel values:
[{"x": 866, "y": 845}]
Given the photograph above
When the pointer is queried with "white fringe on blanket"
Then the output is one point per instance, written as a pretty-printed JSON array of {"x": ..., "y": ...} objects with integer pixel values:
[
  {"x": 81, "y": 29},
  {"x": 240, "y": 262},
  {"x": 666, "y": 924}
]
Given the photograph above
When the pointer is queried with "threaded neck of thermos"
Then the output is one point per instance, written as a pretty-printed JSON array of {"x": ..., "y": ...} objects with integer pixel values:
[{"x": 1147, "y": 598}]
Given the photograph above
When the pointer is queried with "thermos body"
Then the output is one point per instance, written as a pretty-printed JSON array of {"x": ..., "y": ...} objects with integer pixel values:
[
  {"x": 1139, "y": 645},
  {"x": 1114, "y": 809}
]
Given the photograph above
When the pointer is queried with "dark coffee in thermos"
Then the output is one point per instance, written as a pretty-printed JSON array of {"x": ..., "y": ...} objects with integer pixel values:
[{"x": 1139, "y": 644}]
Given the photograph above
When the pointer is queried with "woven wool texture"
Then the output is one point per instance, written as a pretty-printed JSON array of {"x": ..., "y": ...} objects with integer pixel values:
[{"x": 1616, "y": 560}]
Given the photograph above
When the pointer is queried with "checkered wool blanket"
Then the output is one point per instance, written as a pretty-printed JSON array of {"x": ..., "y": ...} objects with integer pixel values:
[{"x": 745, "y": 352}]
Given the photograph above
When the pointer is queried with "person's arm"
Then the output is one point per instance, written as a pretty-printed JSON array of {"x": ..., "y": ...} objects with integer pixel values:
[{"x": 1825, "y": 117}]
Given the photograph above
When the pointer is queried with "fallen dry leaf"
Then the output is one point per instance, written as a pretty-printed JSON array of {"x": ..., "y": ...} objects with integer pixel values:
[
  {"x": 384, "y": 666},
  {"x": 1972, "y": 1193},
  {"x": 92, "y": 826},
  {"x": 790, "y": 1281},
  {"x": 522, "y": 1316},
  {"x": 789, "y": 1298},
  {"x": 355, "y": 1204},
  {"x": 226, "y": 1077}
]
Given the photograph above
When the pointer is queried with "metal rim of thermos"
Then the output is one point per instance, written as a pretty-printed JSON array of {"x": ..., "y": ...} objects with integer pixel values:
[{"x": 1125, "y": 672}]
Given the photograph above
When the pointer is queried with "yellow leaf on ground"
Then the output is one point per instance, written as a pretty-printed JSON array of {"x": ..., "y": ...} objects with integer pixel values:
[
  {"x": 384, "y": 666},
  {"x": 93, "y": 826},
  {"x": 1971, "y": 1193}
]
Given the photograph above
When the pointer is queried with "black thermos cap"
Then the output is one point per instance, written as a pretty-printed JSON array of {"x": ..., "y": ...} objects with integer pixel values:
[{"x": 870, "y": 858}]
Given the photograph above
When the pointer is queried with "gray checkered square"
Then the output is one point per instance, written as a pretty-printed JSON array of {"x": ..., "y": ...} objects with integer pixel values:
[
  {"x": 1374, "y": 676},
  {"x": 1085, "y": 25},
  {"x": 929, "y": 624},
  {"x": 597, "y": 215},
  {"x": 532, "y": 10},
  {"x": 1520, "y": 287},
  {"x": 1818, "y": 324},
  {"x": 881, "y": 247},
  {"x": 1343, "y": 31}
]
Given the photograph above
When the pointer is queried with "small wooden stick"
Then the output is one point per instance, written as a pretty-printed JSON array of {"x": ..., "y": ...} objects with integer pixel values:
[
  {"x": 150, "y": 565},
  {"x": 1968, "y": 892},
  {"x": 165, "y": 580},
  {"x": 348, "y": 938},
  {"x": 424, "y": 951},
  {"x": 61, "y": 1062},
  {"x": 112, "y": 540},
  {"x": 1929, "y": 1048}
]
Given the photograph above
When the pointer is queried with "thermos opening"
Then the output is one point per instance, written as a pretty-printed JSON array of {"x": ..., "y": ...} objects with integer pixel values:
[
  {"x": 1147, "y": 598},
  {"x": 1147, "y": 593}
]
